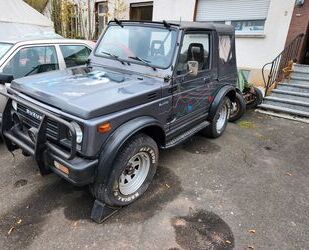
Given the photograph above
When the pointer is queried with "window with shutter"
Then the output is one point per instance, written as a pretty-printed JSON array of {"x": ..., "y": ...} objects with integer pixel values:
[{"x": 247, "y": 16}]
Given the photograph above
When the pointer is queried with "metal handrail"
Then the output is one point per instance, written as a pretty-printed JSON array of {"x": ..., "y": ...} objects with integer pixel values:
[{"x": 289, "y": 53}]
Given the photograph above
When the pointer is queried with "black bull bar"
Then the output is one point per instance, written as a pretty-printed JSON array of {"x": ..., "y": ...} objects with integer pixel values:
[{"x": 37, "y": 144}]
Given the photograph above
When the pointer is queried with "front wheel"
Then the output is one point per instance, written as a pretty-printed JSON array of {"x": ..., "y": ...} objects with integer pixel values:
[
  {"x": 216, "y": 128},
  {"x": 133, "y": 171}
]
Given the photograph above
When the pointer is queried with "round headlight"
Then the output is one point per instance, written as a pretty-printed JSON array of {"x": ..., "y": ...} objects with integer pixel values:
[
  {"x": 14, "y": 105},
  {"x": 79, "y": 132}
]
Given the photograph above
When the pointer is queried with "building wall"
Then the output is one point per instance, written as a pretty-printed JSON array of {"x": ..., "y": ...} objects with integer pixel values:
[
  {"x": 168, "y": 9},
  {"x": 174, "y": 10},
  {"x": 254, "y": 52}
]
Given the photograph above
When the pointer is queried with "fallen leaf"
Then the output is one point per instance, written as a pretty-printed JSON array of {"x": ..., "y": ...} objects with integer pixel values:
[
  {"x": 11, "y": 230},
  {"x": 252, "y": 231},
  {"x": 180, "y": 223}
]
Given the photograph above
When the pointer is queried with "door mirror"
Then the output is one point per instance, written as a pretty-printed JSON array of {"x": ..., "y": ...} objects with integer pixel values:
[
  {"x": 192, "y": 68},
  {"x": 6, "y": 78}
]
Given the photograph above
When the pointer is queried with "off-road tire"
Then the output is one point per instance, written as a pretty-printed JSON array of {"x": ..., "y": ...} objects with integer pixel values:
[
  {"x": 258, "y": 99},
  {"x": 211, "y": 130},
  {"x": 240, "y": 108},
  {"x": 109, "y": 193}
]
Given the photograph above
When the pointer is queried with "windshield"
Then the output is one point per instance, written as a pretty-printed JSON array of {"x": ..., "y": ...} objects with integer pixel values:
[
  {"x": 4, "y": 47},
  {"x": 139, "y": 44}
]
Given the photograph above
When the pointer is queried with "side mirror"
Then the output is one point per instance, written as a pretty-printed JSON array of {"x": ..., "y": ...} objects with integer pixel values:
[
  {"x": 6, "y": 78},
  {"x": 192, "y": 68}
]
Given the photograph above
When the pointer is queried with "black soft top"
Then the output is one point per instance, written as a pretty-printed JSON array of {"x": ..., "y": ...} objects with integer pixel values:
[
  {"x": 220, "y": 28},
  {"x": 187, "y": 25}
]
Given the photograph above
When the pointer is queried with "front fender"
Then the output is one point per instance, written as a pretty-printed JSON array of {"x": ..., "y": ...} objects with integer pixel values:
[
  {"x": 113, "y": 144},
  {"x": 226, "y": 90}
]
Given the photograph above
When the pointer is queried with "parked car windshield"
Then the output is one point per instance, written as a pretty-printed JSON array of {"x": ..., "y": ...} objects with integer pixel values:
[
  {"x": 139, "y": 44},
  {"x": 4, "y": 47}
]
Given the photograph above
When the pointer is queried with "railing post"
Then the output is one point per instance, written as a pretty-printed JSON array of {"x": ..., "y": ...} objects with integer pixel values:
[{"x": 269, "y": 78}]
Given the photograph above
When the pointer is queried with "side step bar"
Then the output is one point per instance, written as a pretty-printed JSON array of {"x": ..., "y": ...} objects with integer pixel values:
[{"x": 180, "y": 138}]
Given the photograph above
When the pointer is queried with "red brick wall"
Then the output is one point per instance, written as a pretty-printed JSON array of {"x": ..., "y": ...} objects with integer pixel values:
[{"x": 299, "y": 24}]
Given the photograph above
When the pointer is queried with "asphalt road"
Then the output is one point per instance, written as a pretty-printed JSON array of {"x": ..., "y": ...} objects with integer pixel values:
[{"x": 246, "y": 190}]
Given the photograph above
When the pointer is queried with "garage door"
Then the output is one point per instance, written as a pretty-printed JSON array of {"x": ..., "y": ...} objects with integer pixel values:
[{"x": 232, "y": 10}]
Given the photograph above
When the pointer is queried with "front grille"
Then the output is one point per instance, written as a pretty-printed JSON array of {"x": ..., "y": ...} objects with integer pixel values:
[{"x": 31, "y": 118}]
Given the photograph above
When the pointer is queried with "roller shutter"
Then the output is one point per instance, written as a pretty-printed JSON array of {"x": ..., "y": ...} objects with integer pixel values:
[{"x": 231, "y": 10}]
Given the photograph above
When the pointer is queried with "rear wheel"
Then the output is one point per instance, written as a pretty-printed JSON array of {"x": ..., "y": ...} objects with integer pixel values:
[
  {"x": 258, "y": 99},
  {"x": 238, "y": 108},
  {"x": 220, "y": 120},
  {"x": 133, "y": 171}
]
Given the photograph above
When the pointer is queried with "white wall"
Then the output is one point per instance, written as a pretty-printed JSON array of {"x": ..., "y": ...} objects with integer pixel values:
[
  {"x": 255, "y": 52},
  {"x": 168, "y": 9},
  {"x": 173, "y": 10}
]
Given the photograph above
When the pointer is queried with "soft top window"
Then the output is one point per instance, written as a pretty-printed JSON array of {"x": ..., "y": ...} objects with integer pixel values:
[
  {"x": 225, "y": 48},
  {"x": 227, "y": 59}
]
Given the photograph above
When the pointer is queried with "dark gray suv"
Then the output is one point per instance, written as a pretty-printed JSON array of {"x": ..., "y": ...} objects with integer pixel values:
[{"x": 147, "y": 85}]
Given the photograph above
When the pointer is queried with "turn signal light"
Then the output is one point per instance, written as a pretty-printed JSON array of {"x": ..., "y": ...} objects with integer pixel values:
[
  {"x": 61, "y": 167},
  {"x": 104, "y": 128}
]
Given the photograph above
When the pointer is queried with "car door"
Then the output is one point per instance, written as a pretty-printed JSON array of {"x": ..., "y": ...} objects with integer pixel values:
[
  {"x": 75, "y": 54},
  {"x": 190, "y": 93}
]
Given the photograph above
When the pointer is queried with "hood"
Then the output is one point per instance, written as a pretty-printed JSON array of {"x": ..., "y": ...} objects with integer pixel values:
[{"x": 89, "y": 92}]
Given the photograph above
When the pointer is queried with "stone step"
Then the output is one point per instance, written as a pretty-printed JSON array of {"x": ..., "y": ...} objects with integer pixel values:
[
  {"x": 284, "y": 115},
  {"x": 301, "y": 74},
  {"x": 284, "y": 110},
  {"x": 293, "y": 87},
  {"x": 287, "y": 103},
  {"x": 299, "y": 80},
  {"x": 301, "y": 68},
  {"x": 284, "y": 94}
]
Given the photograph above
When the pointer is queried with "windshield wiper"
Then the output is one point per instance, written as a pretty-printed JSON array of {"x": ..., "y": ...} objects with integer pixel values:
[
  {"x": 113, "y": 56},
  {"x": 146, "y": 62}
]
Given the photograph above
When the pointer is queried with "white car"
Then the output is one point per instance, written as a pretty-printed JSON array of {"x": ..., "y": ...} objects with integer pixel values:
[{"x": 23, "y": 58}]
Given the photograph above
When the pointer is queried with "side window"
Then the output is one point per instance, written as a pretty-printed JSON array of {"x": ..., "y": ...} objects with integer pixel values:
[
  {"x": 195, "y": 47},
  {"x": 75, "y": 55},
  {"x": 225, "y": 49},
  {"x": 32, "y": 60}
]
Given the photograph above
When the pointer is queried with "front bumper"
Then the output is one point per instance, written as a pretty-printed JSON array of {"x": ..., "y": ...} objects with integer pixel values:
[{"x": 80, "y": 171}]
